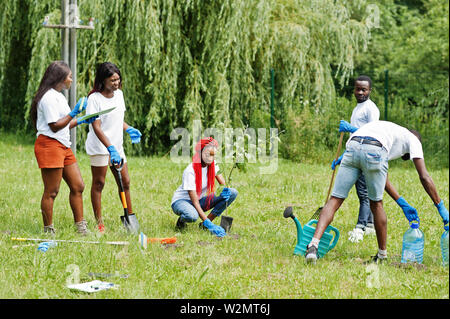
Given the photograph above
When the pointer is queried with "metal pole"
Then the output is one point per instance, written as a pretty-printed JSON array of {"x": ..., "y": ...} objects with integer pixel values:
[
  {"x": 386, "y": 93},
  {"x": 73, "y": 66},
  {"x": 272, "y": 81},
  {"x": 65, "y": 36}
]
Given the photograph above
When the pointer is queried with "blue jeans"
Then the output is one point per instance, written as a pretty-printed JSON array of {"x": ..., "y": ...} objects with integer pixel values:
[
  {"x": 366, "y": 159},
  {"x": 186, "y": 210},
  {"x": 365, "y": 214}
]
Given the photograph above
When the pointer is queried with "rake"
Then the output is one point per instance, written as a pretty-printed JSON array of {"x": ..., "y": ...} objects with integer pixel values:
[{"x": 316, "y": 215}]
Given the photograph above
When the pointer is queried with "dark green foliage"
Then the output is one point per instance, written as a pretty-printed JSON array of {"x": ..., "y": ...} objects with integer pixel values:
[{"x": 210, "y": 60}]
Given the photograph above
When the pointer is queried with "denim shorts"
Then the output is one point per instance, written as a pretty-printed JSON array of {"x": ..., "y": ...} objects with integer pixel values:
[{"x": 370, "y": 160}]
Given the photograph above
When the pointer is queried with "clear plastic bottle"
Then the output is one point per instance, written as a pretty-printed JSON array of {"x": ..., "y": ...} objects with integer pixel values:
[
  {"x": 444, "y": 248},
  {"x": 413, "y": 243}
]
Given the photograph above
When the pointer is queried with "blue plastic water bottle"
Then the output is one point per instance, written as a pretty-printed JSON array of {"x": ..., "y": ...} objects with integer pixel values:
[
  {"x": 444, "y": 248},
  {"x": 413, "y": 243}
]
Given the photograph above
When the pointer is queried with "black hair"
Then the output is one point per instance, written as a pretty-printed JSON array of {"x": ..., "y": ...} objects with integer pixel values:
[
  {"x": 364, "y": 78},
  {"x": 104, "y": 71},
  {"x": 56, "y": 73}
]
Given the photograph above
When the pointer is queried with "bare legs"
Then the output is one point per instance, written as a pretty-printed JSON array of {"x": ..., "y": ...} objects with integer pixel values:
[
  {"x": 52, "y": 179},
  {"x": 379, "y": 216},
  {"x": 98, "y": 182}
]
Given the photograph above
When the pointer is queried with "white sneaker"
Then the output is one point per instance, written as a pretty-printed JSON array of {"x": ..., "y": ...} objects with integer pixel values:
[
  {"x": 369, "y": 231},
  {"x": 355, "y": 235}
]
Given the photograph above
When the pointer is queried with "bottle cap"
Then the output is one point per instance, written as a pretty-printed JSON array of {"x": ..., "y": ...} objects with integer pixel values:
[{"x": 415, "y": 224}]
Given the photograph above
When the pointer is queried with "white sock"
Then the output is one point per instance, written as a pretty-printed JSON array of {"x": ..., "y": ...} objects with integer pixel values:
[
  {"x": 382, "y": 253},
  {"x": 314, "y": 242}
]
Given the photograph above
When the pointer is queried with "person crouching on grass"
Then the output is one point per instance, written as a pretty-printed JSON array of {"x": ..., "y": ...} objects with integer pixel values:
[
  {"x": 368, "y": 151},
  {"x": 196, "y": 195},
  {"x": 53, "y": 120}
]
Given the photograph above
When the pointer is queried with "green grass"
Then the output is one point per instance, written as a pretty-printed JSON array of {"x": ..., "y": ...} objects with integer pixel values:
[{"x": 255, "y": 261}]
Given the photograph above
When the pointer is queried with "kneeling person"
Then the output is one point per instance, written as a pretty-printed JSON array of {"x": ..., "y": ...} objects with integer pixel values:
[{"x": 196, "y": 195}]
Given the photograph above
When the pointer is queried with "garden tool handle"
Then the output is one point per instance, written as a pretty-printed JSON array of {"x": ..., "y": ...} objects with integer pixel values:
[
  {"x": 118, "y": 167},
  {"x": 334, "y": 171}
]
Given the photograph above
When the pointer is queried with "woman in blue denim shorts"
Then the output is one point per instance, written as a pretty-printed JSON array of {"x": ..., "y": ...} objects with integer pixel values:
[{"x": 367, "y": 152}]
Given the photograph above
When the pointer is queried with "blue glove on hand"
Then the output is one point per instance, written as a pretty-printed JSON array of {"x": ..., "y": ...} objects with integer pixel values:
[
  {"x": 226, "y": 193},
  {"x": 443, "y": 212},
  {"x": 345, "y": 126},
  {"x": 90, "y": 120},
  {"x": 115, "y": 156},
  {"x": 134, "y": 134},
  {"x": 79, "y": 107},
  {"x": 409, "y": 211},
  {"x": 214, "y": 229},
  {"x": 335, "y": 163}
]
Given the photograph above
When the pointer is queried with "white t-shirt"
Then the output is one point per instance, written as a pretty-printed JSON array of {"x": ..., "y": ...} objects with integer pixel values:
[
  {"x": 364, "y": 113},
  {"x": 52, "y": 107},
  {"x": 396, "y": 139},
  {"x": 188, "y": 183},
  {"x": 111, "y": 123}
]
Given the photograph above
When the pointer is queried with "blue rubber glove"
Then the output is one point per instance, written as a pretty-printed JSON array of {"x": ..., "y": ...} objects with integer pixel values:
[
  {"x": 134, "y": 134},
  {"x": 115, "y": 156},
  {"x": 443, "y": 212},
  {"x": 44, "y": 246},
  {"x": 226, "y": 193},
  {"x": 214, "y": 229},
  {"x": 335, "y": 163},
  {"x": 409, "y": 211},
  {"x": 90, "y": 120},
  {"x": 79, "y": 107},
  {"x": 345, "y": 126}
]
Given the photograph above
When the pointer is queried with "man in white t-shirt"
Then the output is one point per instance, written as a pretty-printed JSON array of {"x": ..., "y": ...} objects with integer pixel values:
[
  {"x": 367, "y": 152},
  {"x": 364, "y": 112}
]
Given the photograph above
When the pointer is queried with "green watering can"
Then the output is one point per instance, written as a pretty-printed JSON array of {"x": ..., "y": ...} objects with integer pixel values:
[{"x": 304, "y": 236}]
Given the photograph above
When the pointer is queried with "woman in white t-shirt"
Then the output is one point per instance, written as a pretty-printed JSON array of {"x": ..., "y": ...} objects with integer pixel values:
[
  {"x": 196, "y": 195},
  {"x": 104, "y": 143},
  {"x": 53, "y": 119}
]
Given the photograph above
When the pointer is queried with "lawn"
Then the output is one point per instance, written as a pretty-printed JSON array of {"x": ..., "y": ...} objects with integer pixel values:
[{"x": 254, "y": 261}]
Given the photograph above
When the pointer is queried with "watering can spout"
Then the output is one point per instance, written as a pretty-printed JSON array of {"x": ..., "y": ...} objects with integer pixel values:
[{"x": 299, "y": 229}]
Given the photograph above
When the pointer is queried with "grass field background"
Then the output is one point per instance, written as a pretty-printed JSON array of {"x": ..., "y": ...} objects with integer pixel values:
[{"x": 254, "y": 261}]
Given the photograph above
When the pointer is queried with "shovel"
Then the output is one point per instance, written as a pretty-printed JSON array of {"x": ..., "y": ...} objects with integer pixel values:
[
  {"x": 317, "y": 213},
  {"x": 227, "y": 221},
  {"x": 129, "y": 220}
]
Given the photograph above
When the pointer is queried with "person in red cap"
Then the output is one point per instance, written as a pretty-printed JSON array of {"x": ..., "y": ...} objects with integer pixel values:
[{"x": 196, "y": 194}]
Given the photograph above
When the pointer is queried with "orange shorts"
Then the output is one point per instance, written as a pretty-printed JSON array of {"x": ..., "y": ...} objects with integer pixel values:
[{"x": 50, "y": 153}]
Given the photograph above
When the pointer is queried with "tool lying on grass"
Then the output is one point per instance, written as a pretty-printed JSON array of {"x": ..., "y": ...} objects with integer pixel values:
[
  {"x": 317, "y": 213},
  {"x": 304, "y": 236},
  {"x": 144, "y": 240},
  {"x": 117, "y": 243},
  {"x": 129, "y": 220}
]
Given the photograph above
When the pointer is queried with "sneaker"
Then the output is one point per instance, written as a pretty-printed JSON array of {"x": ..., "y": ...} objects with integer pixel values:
[
  {"x": 101, "y": 228},
  {"x": 376, "y": 260},
  {"x": 181, "y": 224},
  {"x": 355, "y": 235},
  {"x": 82, "y": 228},
  {"x": 49, "y": 230},
  {"x": 369, "y": 230},
  {"x": 311, "y": 254}
]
